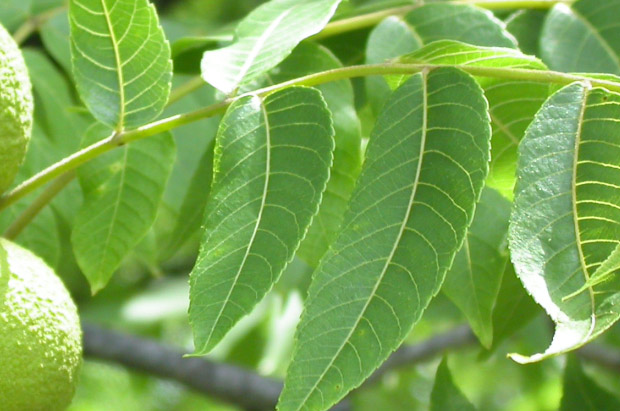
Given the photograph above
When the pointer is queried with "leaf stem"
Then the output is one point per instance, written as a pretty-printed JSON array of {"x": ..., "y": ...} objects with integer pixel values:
[
  {"x": 370, "y": 19},
  {"x": 178, "y": 120},
  {"x": 39, "y": 204}
]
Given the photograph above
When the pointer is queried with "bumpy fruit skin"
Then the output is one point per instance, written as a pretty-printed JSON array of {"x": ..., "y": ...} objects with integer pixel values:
[
  {"x": 16, "y": 109},
  {"x": 40, "y": 336}
]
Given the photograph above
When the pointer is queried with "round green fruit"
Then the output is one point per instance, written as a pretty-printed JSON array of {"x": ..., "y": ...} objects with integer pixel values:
[
  {"x": 40, "y": 334},
  {"x": 16, "y": 109}
]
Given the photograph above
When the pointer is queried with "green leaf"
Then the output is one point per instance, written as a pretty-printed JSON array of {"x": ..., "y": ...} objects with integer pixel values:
[
  {"x": 13, "y": 13},
  {"x": 512, "y": 104},
  {"x": 309, "y": 58},
  {"x": 446, "y": 396},
  {"x": 513, "y": 310},
  {"x": 122, "y": 191},
  {"x": 182, "y": 210},
  {"x": 263, "y": 39},
  {"x": 581, "y": 393},
  {"x": 583, "y": 37},
  {"x": 462, "y": 22},
  {"x": 566, "y": 222},
  {"x": 474, "y": 280},
  {"x": 271, "y": 165},
  {"x": 526, "y": 26},
  {"x": 425, "y": 166},
  {"x": 121, "y": 60},
  {"x": 55, "y": 34},
  {"x": 191, "y": 212},
  {"x": 396, "y": 36},
  {"x": 391, "y": 38}
]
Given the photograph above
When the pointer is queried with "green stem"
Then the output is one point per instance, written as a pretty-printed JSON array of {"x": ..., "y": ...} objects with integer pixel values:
[
  {"x": 363, "y": 21},
  {"x": 186, "y": 88},
  {"x": 39, "y": 204},
  {"x": 178, "y": 120},
  {"x": 34, "y": 23}
]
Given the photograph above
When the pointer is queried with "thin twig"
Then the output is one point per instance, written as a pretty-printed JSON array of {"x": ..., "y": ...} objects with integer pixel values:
[
  {"x": 34, "y": 23},
  {"x": 223, "y": 381},
  {"x": 39, "y": 204}
]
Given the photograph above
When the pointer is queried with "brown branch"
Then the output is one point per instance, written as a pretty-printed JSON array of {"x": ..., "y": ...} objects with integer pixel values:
[
  {"x": 230, "y": 383},
  {"x": 223, "y": 381}
]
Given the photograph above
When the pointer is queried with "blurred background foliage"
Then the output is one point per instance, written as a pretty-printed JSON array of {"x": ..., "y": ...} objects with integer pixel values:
[{"x": 149, "y": 295}]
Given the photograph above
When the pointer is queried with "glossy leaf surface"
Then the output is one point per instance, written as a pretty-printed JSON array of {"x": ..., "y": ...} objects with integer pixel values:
[{"x": 566, "y": 221}]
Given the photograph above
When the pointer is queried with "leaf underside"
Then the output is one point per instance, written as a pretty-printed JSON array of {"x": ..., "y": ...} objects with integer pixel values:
[
  {"x": 271, "y": 166},
  {"x": 425, "y": 166},
  {"x": 121, "y": 60},
  {"x": 122, "y": 191},
  {"x": 263, "y": 39},
  {"x": 566, "y": 219}
]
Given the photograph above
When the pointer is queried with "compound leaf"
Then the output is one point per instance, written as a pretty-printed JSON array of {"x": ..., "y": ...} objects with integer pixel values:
[
  {"x": 122, "y": 191},
  {"x": 121, "y": 60},
  {"x": 263, "y": 39},
  {"x": 566, "y": 221},
  {"x": 425, "y": 166},
  {"x": 271, "y": 166}
]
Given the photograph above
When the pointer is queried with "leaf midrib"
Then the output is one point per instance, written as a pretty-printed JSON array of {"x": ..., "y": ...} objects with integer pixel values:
[
  {"x": 402, "y": 228},
  {"x": 582, "y": 260},
  {"x": 119, "y": 67},
  {"x": 256, "y": 226},
  {"x": 106, "y": 246}
]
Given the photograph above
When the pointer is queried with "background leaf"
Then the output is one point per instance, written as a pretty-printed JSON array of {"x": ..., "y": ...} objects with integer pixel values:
[
  {"x": 263, "y": 39},
  {"x": 122, "y": 191},
  {"x": 446, "y": 395},
  {"x": 584, "y": 37},
  {"x": 121, "y": 60},
  {"x": 514, "y": 308},
  {"x": 55, "y": 34},
  {"x": 271, "y": 165},
  {"x": 473, "y": 281},
  {"x": 566, "y": 221},
  {"x": 308, "y": 58},
  {"x": 396, "y": 36},
  {"x": 581, "y": 393},
  {"x": 425, "y": 166}
]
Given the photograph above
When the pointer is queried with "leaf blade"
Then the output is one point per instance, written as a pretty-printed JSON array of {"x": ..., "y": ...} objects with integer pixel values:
[
  {"x": 349, "y": 303},
  {"x": 121, "y": 60},
  {"x": 561, "y": 227},
  {"x": 271, "y": 166},
  {"x": 122, "y": 191},
  {"x": 474, "y": 280},
  {"x": 263, "y": 39},
  {"x": 445, "y": 394}
]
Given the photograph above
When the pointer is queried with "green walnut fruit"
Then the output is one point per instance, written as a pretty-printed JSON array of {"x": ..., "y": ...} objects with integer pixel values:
[
  {"x": 15, "y": 109},
  {"x": 40, "y": 334}
]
